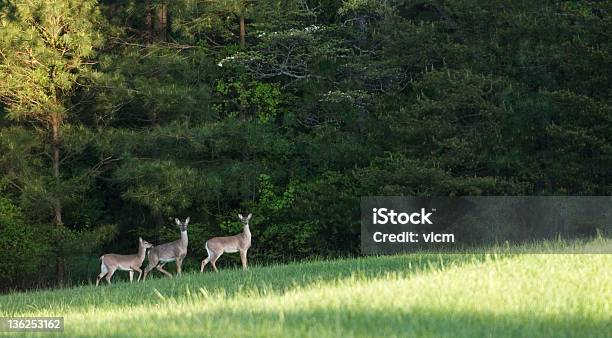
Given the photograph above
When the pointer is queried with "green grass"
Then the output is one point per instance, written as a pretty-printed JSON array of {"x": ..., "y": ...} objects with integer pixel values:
[{"x": 425, "y": 295}]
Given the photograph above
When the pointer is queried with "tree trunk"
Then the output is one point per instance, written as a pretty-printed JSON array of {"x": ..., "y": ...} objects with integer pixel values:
[
  {"x": 149, "y": 20},
  {"x": 57, "y": 204},
  {"x": 242, "y": 31},
  {"x": 162, "y": 21},
  {"x": 55, "y": 143}
]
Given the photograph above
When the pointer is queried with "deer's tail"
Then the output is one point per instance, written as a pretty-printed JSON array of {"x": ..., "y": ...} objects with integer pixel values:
[
  {"x": 207, "y": 250},
  {"x": 103, "y": 267}
]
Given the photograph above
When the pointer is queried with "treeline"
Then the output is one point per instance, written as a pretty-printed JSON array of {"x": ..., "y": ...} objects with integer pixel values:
[{"x": 116, "y": 116}]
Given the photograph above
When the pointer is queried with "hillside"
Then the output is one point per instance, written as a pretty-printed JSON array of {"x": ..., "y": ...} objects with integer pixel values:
[{"x": 411, "y": 295}]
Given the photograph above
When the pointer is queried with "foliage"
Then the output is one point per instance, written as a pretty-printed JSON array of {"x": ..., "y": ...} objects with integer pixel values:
[
  {"x": 24, "y": 248},
  {"x": 328, "y": 101}
]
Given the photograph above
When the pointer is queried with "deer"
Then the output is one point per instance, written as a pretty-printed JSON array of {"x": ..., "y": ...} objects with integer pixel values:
[
  {"x": 113, "y": 262},
  {"x": 175, "y": 251},
  {"x": 215, "y": 247}
]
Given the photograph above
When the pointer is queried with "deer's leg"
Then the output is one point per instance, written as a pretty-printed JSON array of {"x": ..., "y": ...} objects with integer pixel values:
[
  {"x": 213, "y": 260},
  {"x": 149, "y": 267},
  {"x": 103, "y": 272},
  {"x": 160, "y": 268},
  {"x": 204, "y": 262},
  {"x": 139, "y": 273},
  {"x": 131, "y": 275},
  {"x": 243, "y": 258},
  {"x": 110, "y": 274},
  {"x": 179, "y": 265},
  {"x": 99, "y": 277}
]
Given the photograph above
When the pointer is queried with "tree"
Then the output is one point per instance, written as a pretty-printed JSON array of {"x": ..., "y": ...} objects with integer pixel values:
[
  {"x": 45, "y": 51},
  {"x": 325, "y": 101}
]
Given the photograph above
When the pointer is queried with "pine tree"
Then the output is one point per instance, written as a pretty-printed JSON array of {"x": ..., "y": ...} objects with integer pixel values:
[{"x": 45, "y": 49}]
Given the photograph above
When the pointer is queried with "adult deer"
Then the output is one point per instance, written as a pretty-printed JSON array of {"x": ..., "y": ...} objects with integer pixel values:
[
  {"x": 237, "y": 243},
  {"x": 113, "y": 262},
  {"x": 169, "y": 252}
]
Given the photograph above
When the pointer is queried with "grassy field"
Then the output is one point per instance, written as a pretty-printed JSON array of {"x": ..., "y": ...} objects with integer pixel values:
[{"x": 425, "y": 295}]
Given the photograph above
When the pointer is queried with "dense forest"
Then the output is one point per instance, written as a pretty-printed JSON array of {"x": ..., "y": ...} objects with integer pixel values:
[{"x": 117, "y": 116}]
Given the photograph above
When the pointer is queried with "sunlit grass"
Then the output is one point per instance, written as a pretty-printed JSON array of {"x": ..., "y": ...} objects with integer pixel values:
[{"x": 413, "y": 295}]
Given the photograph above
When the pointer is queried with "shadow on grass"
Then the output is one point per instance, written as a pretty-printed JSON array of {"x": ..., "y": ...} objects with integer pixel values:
[
  {"x": 278, "y": 278},
  {"x": 415, "y": 322},
  {"x": 429, "y": 322}
]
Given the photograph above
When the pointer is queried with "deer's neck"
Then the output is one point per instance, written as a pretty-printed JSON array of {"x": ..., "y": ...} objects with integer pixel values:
[
  {"x": 184, "y": 239},
  {"x": 247, "y": 232},
  {"x": 141, "y": 253}
]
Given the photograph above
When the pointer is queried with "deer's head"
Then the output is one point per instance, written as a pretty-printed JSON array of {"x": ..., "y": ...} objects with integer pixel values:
[
  {"x": 144, "y": 243},
  {"x": 245, "y": 220},
  {"x": 182, "y": 225}
]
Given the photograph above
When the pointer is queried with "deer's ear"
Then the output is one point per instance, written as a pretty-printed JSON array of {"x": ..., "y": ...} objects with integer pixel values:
[
  {"x": 187, "y": 220},
  {"x": 240, "y": 216},
  {"x": 176, "y": 220},
  {"x": 140, "y": 239},
  {"x": 249, "y": 217}
]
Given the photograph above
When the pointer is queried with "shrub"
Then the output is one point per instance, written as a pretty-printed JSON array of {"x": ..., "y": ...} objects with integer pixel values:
[{"x": 23, "y": 247}]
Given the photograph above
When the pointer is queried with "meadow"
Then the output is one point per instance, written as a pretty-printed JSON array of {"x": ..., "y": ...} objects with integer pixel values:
[{"x": 424, "y": 295}]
